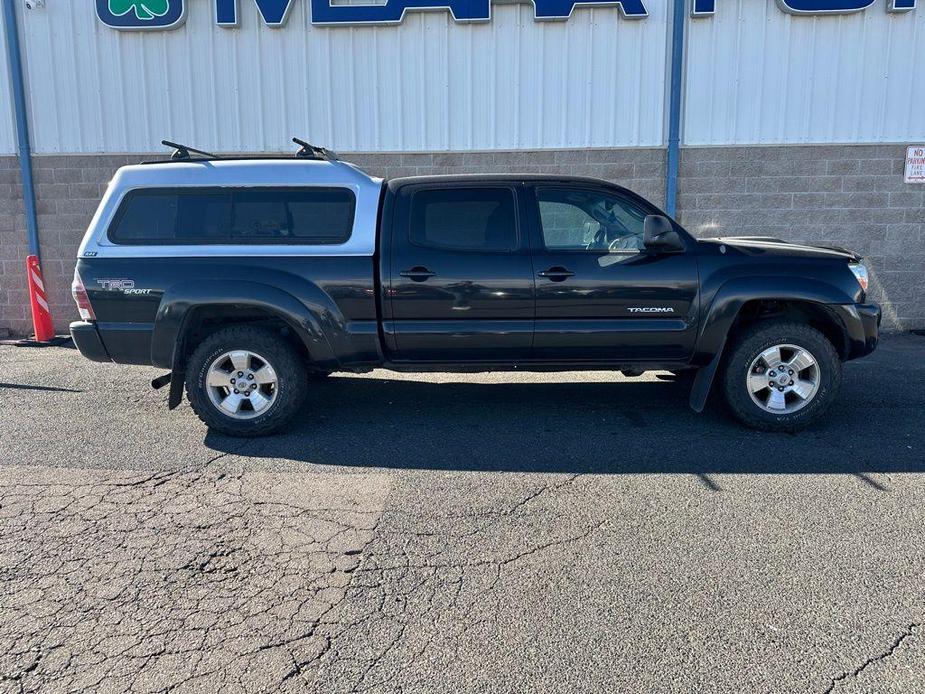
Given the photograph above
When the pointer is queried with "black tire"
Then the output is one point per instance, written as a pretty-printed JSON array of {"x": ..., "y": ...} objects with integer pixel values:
[
  {"x": 754, "y": 340},
  {"x": 286, "y": 361}
]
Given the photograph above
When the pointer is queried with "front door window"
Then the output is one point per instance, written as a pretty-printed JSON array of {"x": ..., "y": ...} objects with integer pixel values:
[{"x": 579, "y": 220}]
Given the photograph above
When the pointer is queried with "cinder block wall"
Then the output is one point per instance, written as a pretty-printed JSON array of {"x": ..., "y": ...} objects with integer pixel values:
[
  {"x": 68, "y": 189},
  {"x": 850, "y": 195},
  {"x": 842, "y": 195},
  {"x": 14, "y": 316}
]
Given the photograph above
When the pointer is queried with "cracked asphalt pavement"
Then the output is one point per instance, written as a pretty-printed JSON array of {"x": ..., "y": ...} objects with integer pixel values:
[{"x": 576, "y": 532}]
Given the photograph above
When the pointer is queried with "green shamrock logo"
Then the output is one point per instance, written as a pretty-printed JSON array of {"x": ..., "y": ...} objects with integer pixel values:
[{"x": 144, "y": 9}]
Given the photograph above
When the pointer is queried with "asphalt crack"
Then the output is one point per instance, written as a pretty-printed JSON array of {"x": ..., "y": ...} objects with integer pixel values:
[
  {"x": 851, "y": 674},
  {"x": 191, "y": 579}
]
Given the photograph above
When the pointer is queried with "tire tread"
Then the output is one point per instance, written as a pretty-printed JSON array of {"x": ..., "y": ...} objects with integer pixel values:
[{"x": 752, "y": 341}]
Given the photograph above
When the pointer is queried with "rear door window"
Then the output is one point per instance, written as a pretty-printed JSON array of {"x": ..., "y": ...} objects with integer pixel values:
[
  {"x": 476, "y": 219},
  {"x": 222, "y": 216}
]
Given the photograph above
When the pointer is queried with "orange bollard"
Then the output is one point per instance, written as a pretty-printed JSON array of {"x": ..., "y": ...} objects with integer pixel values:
[{"x": 41, "y": 315}]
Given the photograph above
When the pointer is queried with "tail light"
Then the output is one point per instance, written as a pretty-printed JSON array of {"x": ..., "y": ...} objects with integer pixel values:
[{"x": 79, "y": 293}]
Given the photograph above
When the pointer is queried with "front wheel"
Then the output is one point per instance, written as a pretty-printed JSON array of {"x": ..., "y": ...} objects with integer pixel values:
[
  {"x": 245, "y": 381},
  {"x": 781, "y": 376}
]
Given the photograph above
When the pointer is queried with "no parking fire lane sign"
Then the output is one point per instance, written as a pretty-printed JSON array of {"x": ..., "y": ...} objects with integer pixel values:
[{"x": 915, "y": 164}]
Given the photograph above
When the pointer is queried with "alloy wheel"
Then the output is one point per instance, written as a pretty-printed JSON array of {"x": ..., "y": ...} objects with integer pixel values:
[
  {"x": 242, "y": 384},
  {"x": 783, "y": 379}
]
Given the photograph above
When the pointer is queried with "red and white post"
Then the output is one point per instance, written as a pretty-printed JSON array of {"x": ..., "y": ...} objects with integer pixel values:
[{"x": 41, "y": 315}]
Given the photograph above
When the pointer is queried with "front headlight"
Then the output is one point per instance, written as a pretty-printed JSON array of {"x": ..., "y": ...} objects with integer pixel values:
[{"x": 860, "y": 274}]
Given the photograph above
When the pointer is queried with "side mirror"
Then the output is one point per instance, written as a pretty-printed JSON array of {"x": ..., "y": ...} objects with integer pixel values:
[{"x": 659, "y": 235}]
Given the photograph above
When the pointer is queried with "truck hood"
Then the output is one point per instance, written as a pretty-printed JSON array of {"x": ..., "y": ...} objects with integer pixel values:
[{"x": 766, "y": 245}]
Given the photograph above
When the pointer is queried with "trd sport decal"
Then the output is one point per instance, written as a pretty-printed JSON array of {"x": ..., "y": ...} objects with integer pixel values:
[{"x": 124, "y": 286}]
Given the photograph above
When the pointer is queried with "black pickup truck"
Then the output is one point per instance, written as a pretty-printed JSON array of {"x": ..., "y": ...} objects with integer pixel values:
[{"x": 248, "y": 278}]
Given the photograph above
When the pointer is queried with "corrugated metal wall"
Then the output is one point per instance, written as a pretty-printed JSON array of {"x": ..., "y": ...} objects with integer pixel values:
[
  {"x": 758, "y": 75},
  {"x": 428, "y": 84},
  {"x": 7, "y": 131},
  {"x": 754, "y": 74}
]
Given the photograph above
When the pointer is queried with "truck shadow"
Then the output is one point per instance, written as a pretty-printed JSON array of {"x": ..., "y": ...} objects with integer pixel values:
[{"x": 582, "y": 427}]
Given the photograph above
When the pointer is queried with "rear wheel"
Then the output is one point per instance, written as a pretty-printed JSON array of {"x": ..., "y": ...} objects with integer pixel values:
[
  {"x": 245, "y": 381},
  {"x": 781, "y": 376}
]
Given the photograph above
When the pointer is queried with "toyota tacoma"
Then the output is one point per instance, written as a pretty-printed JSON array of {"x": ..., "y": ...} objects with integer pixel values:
[{"x": 247, "y": 278}]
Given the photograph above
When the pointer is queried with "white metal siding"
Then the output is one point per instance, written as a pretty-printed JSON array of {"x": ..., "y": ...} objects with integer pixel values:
[
  {"x": 7, "y": 124},
  {"x": 758, "y": 75},
  {"x": 428, "y": 84}
]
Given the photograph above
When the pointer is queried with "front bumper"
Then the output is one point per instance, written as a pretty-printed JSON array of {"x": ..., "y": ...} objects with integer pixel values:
[
  {"x": 87, "y": 339},
  {"x": 862, "y": 328}
]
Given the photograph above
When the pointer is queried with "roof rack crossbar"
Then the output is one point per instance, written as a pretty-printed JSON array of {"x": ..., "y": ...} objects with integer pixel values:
[
  {"x": 184, "y": 151},
  {"x": 310, "y": 151}
]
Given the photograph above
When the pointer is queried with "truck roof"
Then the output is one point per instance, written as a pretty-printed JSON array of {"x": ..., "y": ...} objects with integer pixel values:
[
  {"x": 395, "y": 183},
  {"x": 286, "y": 171},
  {"x": 467, "y": 177},
  {"x": 229, "y": 171}
]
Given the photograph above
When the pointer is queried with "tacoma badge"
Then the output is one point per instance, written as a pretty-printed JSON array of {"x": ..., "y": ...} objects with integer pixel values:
[{"x": 650, "y": 309}]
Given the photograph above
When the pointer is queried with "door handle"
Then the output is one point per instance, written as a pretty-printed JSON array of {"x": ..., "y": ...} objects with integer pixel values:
[
  {"x": 557, "y": 274},
  {"x": 418, "y": 273}
]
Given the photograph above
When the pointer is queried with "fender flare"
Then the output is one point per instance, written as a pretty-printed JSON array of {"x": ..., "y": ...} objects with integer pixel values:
[
  {"x": 312, "y": 318},
  {"x": 725, "y": 306}
]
